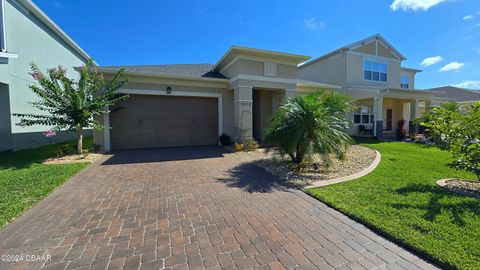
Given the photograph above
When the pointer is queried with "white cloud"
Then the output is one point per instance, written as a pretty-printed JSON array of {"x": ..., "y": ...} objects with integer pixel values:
[
  {"x": 452, "y": 66},
  {"x": 431, "y": 61},
  {"x": 312, "y": 24},
  {"x": 468, "y": 84},
  {"x": 467, "y": 17},
  {"x": 414, "y": 4}
]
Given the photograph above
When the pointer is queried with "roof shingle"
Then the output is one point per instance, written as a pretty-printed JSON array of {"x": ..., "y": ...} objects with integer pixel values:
[
  {"x": 186, "y": 70},
  {"x": 456, "y": 93}
]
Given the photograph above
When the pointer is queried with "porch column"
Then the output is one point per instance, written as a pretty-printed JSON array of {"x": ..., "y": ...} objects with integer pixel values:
[
  {"x": 242, "y": 109},
  {"x": 290, "y": 93},
  {"x": 414, "y": 114},
  {"x": 378, "y": 115}
]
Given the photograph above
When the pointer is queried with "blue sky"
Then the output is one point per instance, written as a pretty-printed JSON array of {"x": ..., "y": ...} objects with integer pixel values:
[{"x": 124, "y": 32}]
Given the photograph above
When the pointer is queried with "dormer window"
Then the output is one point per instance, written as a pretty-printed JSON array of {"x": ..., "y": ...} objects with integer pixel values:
[
  {"x": 404, "y": 81},
  {"x": 375, "y": 71},
  {"x": 3, "y": 39}
]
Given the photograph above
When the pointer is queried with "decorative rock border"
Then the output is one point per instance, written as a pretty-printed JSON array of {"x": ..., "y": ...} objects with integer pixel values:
[
  {"x": 354, "y": 176},
  {"x": 443, "y": 184}
]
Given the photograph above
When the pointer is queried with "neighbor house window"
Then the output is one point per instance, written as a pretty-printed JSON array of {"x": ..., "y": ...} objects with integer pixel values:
[
  {"x": 405, "y": 81},
  {"x": 363, "y": 115},
  {"x": 3, "y": 39},
  {"x": 374, "y": 71}
]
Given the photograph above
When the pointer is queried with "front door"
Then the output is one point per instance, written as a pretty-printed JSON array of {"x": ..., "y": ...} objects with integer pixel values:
[{"x": 389, "y": 119}]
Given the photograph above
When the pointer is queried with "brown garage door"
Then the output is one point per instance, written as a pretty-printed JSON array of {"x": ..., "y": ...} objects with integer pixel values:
[{"x": 145, "y": 121}]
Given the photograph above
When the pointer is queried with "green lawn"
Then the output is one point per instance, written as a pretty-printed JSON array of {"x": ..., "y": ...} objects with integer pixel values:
[
  {"x": 400, "y": 199},
  {"x": 24, "y": 180}
]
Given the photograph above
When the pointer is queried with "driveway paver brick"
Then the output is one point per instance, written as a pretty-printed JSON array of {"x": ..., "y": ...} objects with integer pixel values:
[{"x": 191, "y": 208}]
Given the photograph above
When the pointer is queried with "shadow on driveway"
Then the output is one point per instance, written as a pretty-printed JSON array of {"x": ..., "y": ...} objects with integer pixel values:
[
  {"x": 249, "y": 177},
  {"x": 164, "y": 154}
]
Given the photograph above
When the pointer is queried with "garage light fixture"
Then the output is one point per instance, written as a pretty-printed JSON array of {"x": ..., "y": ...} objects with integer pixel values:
[{"x": 169, "y": 90}]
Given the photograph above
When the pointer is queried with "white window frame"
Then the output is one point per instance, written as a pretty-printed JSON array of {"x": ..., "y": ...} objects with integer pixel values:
[
  {"x": 361, "y": 114},
  {"x": 403, "y": 83},
  {"x": 3, "y": 29},
  {"x": 375, "y": 61}
]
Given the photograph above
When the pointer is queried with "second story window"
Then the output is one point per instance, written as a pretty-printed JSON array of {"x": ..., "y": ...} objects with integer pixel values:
[
  {"x": 374, "y": 71},
  {"x": 404, "y": 81}
]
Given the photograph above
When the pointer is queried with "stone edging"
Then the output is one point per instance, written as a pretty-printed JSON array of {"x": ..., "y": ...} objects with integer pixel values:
[
  {"x": 443, "y": 184},
  {"x": 354, "y": 176}
]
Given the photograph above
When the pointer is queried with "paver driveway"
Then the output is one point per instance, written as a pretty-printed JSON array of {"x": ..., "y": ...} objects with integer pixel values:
[{"x": 191, "y": 208}]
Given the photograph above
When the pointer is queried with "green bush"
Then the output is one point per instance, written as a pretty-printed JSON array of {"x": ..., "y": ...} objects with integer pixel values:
[
  {"x": 310, "y": 124},
  {"x": 251, "y": 144},
  {"x": 458, "y": 131}
]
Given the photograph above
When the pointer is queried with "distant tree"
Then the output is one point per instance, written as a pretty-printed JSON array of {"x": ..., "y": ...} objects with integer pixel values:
[
  {"x": 71, "y": 104},
  {"x": 310, "y": 124}
]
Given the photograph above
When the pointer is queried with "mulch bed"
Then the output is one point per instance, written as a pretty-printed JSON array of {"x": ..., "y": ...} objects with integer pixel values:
[
  {"x": 74, "y": 158},
  {"x": 461, "y": 186},
  {"x": 357, "y": 158}
]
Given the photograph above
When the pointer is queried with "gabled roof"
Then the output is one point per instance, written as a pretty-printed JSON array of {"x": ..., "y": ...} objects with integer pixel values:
[
  {"x": 39, "y": 14},
  {"x": 456, "y": 93},
  {"x": 411, "y": 69},
  {"x": 354, "y": 45},
  {"x": 177, "y": 70},
  {"x": 240, "y": 50}
]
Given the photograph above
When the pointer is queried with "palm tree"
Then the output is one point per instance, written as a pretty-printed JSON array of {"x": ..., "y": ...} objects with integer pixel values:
[
  {"x": 310, "y": 124},
  {"x": 70, "y": 104}
]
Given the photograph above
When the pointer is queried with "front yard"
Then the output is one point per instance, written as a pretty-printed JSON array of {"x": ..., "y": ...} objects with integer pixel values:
[
  {"x": 24, "y": 180},
  {"x": 401, "y": 200}
]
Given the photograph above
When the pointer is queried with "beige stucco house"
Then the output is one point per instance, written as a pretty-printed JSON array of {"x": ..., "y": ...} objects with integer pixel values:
[
  {"x": 193, "y": 104},
  {"x": 371, "y": 72}
]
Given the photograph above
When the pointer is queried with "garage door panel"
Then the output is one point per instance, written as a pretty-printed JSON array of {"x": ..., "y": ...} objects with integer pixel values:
[{"x": 164, "y": 121}]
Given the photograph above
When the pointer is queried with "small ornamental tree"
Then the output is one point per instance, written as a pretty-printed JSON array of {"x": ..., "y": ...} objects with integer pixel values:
[
  {"x": 310, "y": 124},
  {"x": 70, "y": 104},
  {"x": 458, "y": 131}
]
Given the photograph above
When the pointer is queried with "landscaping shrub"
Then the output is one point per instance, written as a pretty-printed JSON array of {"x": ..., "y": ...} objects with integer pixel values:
[
  {"x": 310, "y": 124},
  {"x": 251, "y": 144},
  {"x": 458, "y": 131}
]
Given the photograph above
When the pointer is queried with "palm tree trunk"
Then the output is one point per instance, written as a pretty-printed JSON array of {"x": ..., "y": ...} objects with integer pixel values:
[{"x": 79, "y": 140}]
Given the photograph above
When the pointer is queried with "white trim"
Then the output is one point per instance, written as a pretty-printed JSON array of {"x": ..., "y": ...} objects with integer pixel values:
[
  {"x": 373, "y": 56},
  {"x": 3, "y": 28},
  {"x": 8, "y": 55},
  {"x": 262, "y": 78},
  {"x": 219, "y": 96}
]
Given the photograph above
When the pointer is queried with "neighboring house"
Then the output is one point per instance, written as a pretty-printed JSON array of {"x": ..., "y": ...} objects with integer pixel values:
[
  {"x": 27, "y": 35},
  {"x": 192, "y": 104},
  {"x": 460, "y": 95},
  {"x": 371, "y": 72}
]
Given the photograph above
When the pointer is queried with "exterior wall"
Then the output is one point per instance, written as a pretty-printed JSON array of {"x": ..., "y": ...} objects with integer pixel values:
[
  {"x": 256, "y": 68},
  {"x": 48, "y": 51},
  {"x": 330, "y": 70},
  {"x": 411, "y": 76},
  {"x": 355, "y": 72}
]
